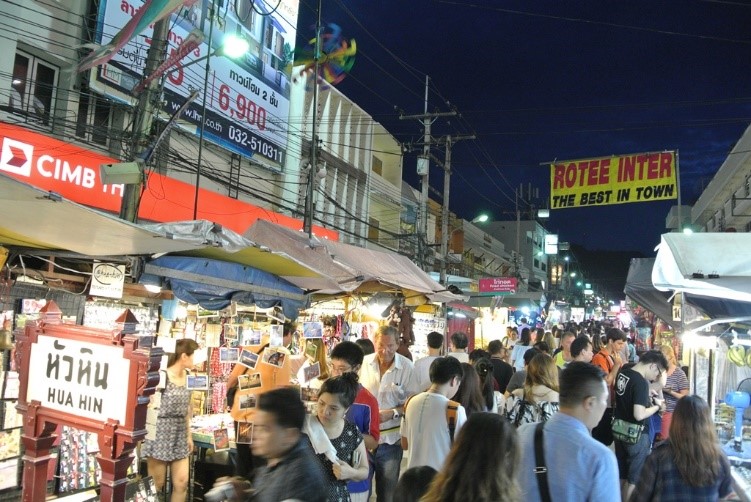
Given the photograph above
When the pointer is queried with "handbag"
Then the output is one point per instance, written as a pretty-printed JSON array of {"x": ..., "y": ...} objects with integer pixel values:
[{"x": 626, "y": 432}]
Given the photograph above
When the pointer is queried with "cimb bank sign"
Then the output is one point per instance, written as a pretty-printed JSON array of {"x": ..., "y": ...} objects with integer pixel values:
[{"x": 83, "y": 379}]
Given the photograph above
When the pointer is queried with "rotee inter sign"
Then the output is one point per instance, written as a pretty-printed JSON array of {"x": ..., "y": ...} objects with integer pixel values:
[{"x": 600, "y": 181}]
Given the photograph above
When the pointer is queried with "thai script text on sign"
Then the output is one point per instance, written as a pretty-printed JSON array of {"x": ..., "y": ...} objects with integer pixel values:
[
  {"x": 83, "y": 379},
  {"x": 600, "y": 181},
  {"x": 497, "y": 285}
]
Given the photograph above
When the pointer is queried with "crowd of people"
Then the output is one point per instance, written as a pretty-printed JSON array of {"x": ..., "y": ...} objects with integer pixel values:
[{"x": 566, "y": 418}]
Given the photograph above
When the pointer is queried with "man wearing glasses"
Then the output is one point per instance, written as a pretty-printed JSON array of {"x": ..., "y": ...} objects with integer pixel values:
[{"x": 635, "y": 404}]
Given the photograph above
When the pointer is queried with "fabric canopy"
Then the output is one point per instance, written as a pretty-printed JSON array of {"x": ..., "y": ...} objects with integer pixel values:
[
  {"x": 214, "y": 284},
  {"x": 352, "y": 268},
  {"x": 640, "y": 289},
  {"x": 715, "y": 265}
]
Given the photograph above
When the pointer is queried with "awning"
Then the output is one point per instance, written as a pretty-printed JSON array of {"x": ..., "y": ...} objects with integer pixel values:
[
  {"x": 33, "y": 218},
  {"x": 713, "y": 270},
  {"x": 354, "y": 269},
  {"x": 640, "y": 289},
  {"x": 531, "y": 299},
  {"x": 214, "y": 284},
  {"x": 707, "y": 264}
]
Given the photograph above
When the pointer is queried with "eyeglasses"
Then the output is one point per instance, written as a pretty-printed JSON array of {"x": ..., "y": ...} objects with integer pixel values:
[
  {"x": 660, "y": 371},
  {"x": 339, "y": 368}
]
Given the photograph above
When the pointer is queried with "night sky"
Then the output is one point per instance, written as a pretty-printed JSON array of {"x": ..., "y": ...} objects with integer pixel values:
[{"x": 545, "y": 80}]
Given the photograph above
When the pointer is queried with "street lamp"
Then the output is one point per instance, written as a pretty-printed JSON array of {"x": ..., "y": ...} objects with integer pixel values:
[
  {"x": 480, "y": 218},
  {"x": 233, "y": 46}
]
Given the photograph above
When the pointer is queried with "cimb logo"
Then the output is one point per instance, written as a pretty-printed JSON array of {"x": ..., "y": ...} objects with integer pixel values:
[{"x": 16, "y": 157}]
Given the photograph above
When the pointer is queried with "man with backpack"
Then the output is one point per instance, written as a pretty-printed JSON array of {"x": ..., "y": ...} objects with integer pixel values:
[{"x": 431, "y": 420}]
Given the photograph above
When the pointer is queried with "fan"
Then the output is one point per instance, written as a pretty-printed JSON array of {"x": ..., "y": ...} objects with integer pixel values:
[{"x": 740, "y": 400}]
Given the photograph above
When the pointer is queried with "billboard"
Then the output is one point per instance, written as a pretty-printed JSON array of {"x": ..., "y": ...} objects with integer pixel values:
[
  {"x": 599, "y": 181},
  {"x": 247, "y": 99}
]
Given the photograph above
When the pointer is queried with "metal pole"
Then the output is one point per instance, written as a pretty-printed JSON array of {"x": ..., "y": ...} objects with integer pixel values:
[
  {"x": 445, "y": 211},
  {"x": 203, "y": 110},
  {"x": 678, "y": 184},
  {"x": 308, "y": 217},
  {"x": 518, "y": 233},
  {"x": 144, "y": 110}
]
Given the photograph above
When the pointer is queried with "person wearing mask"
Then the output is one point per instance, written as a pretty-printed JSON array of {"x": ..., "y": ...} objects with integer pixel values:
[
  {"x": 459, "y": 343},
  {"x": 608, "y": 359},
  {"x": 422, "y": 365},
  {"x": 483, "y": 463},
  {"x": 578, "y": 466},
  {"x": 292, "y": 471},
  {"x": 676, "y": 386},
  {"x": 347, "y": 357},
  {"x": 564, "y": 355},
  {"x": 425, "y": 429},
  {"x": 173, "y": 442},
  {"x": 502, "y": 371},
  {"x": 684, "y": 468},
  {"x": 634, "y": 404},
  {"x": 389, "y": 377}
]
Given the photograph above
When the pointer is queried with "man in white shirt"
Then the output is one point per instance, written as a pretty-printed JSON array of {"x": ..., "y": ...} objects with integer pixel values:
[
  {"x": 422, "y": 366},
  {"x": 459, "y": 343},
  {"x": 425, "y": 427},
  {"x": 389, "y": 377}
]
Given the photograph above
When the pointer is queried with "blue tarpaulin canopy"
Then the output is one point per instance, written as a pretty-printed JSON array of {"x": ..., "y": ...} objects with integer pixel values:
[{"x": 214, "y": 284}]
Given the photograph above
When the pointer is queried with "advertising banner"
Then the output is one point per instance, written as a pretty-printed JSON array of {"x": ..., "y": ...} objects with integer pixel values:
[
  {"x": 600, "y": 181},
  {"x": 247, "y": 99},
  {"x": 72, "y": 171}
]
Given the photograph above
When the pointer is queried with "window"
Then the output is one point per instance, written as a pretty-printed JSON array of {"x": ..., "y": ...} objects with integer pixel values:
[
  {"x": 33, "y": 87},
  {"x": 94, "y": 116},
  {"x": 377, "y": 166},
  {"x": 373, "y": 229}
]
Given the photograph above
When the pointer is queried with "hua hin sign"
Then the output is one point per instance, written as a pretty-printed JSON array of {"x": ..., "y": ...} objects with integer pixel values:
[
  {"x": 89, "y": 379},
  {"x": 79, "y": 378}
]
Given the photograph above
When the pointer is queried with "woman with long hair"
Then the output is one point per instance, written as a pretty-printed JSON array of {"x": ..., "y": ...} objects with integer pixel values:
[
  {"x": 690, "y": 466},
  {"x": 676, "y": 386},
  {"x": 173, "y": 441},
  {"x": 482, "y": 463},
  {"x": 469, "y": 393},
  {"x": 484, "y": 369},
  {"x": 522, "y": 345},
  {"x": 538, "y": 399}
]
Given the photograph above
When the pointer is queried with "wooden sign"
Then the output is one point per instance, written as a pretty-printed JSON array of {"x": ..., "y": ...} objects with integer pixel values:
[{"x": 90, "y": 379}]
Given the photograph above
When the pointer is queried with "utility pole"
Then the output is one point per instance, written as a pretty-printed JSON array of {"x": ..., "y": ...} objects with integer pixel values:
[
  {"x": 518, "y": 233},
  {"x": 143, "y": 118},
  {"x": 423, "y": 170},
  {"x": 445, "y": 206},
  {"x": 313, "y": 168}
]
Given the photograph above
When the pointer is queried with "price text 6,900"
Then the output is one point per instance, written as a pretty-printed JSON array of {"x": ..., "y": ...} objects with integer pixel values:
[{"x": 242, "y": 108}]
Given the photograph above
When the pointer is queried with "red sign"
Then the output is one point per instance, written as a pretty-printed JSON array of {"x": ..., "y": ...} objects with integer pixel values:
[
  {"x": 73, "y": 172},
  {"x": 498, "y": 285}
]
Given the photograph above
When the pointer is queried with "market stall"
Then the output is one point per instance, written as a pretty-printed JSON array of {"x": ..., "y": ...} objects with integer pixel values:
[{"x": 713, "y": 272}]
